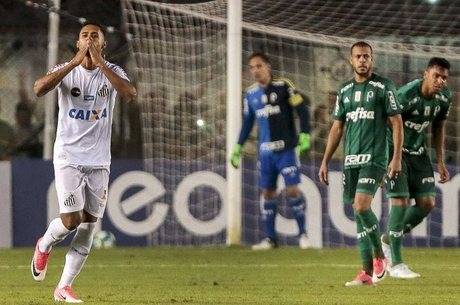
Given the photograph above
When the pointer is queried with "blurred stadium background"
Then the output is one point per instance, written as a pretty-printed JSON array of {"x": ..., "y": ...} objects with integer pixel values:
[{"x": 168, "y": 175}]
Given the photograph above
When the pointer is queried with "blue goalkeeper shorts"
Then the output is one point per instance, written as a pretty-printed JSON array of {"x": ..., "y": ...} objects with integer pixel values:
[{"x": 271, "y": 164}]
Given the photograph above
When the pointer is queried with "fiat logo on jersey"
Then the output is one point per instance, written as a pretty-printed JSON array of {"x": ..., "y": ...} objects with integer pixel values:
[
  {"x": 104, "y": 91},
  {"x": 273, "y": 97}
]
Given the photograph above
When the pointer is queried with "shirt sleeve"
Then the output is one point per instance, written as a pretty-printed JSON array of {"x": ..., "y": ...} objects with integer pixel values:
[
  {"x": 248, "y": 121},
  {"x": 120, "y": 72},
  {"x": 298, "y": 102},
  {"x": 404, "y": 100},
  {"x": 445, "y": 109},
  {"x": 391, "y": 103},
  {"x": 339, "y": 110},
  {"x": 55, "y": 68}
]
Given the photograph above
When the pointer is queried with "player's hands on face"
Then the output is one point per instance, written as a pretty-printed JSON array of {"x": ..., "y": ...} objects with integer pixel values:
[
  {"x": 443, "y": 173},
  {"x": 82, "y": 50},
  {"x": 323, "y": 174},
  {"x": 394, "y": 168},
  {"x": 95, "y": 52}
]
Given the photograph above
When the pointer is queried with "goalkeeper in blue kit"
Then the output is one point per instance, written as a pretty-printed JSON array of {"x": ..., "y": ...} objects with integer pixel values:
[{"x": 272, "y": 102}]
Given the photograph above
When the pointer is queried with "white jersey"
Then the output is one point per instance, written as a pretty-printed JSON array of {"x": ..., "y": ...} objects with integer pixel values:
[{"x": 86, "y": 100}]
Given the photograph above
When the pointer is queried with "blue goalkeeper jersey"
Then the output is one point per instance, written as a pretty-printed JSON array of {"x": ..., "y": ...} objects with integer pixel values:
[{"x": 273, "y": 107}]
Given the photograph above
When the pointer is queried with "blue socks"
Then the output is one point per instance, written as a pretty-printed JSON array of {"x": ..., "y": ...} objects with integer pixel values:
[
  {"x": 269, "y": 214},
  {"x": 297, "y": 205}
]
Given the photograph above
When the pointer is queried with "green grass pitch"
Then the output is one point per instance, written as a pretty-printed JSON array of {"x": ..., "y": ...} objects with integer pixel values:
[{"x": 184, "y": 275}]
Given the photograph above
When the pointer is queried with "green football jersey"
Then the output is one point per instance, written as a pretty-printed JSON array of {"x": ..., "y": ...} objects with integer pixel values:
[
  {"x": 365, "y": 108},
  {"x": 418, "y": 112}
]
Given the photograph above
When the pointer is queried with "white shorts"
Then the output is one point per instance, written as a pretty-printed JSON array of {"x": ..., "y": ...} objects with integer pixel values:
[{"x": 82, "y": 187}]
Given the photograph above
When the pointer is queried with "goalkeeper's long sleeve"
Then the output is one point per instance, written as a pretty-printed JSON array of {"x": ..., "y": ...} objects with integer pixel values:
[
  {"x": 248, "y": 123},
  {"x": 304, "y": 117}
]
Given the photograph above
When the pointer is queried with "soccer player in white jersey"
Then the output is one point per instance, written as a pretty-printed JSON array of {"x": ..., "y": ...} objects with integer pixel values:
[{"x": 87, "y": 88}]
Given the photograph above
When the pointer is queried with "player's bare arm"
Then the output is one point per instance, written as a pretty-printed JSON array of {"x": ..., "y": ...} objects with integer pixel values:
[
  {"x": 123, "y": 87},
  {"x": 333, "y": 140},
  {"x": 438, "y": 140},
  {"x": 398, "y": 137},
  {"x": 48, "y": 82}
]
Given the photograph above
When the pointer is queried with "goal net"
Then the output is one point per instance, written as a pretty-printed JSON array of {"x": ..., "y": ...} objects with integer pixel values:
[{"x": 179, "y": 54}]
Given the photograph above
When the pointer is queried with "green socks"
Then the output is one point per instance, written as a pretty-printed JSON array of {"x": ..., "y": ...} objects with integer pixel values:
[
  {"x": 371, "y": 226},
  {"x": 365, "y": 246},
  {"x": 395, "y": 232},
  {"x": 413, "y": 216}
]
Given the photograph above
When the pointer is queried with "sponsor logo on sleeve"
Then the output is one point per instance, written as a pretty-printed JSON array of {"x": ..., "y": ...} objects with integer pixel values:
[{"x": 392, "y": 100}]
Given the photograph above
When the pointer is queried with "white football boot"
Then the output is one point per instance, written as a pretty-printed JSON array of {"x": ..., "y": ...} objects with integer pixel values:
[
  {"x": 304, "y": 242},
  {"x": 265, "y": 244},
  {"x": 402, "y": 271}
]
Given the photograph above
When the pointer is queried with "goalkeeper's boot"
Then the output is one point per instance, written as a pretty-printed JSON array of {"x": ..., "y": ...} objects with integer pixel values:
[
  {"x": 362, "y": 279},
  {"x": 66, "y": 294},
  {"x": 380, "y": 266},
  {"x": 402, "y": 271},
  {"x": 265, "y": 244},
  {"x": 386, "y": 250},
  {"x": 304, "y": 242},
  {"x": 39, "y": 263}
]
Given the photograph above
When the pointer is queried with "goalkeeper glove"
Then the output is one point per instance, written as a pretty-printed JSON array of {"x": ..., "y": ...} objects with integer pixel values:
[
  {"x": 235, "y": 157},
  {"x": 304, "y": 143}
]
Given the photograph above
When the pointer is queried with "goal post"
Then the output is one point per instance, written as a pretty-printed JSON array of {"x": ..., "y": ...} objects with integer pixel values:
[{"x": 234, "y": 102}]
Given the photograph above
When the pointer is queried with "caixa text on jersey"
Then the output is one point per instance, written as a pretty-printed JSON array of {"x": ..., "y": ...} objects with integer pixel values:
[{"x": 88, "y": 115}]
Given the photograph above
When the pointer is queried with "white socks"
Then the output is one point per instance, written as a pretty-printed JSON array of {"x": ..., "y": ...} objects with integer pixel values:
[
  {"x": 54, "y": 234},
  {"x": 78, "y": 252}
]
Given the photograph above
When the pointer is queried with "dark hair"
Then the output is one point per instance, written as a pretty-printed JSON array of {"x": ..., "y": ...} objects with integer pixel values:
[
  {"x": 360, "y": 44},
  {"x": 438, "y": 61},
  {"x": 95, "y": 24},
  {"x": 261, "y": 55}
]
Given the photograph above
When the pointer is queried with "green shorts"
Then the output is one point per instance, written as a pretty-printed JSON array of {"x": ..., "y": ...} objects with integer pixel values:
[
  {"x": 415, "y": 180},
  {"x": 361, "y": 180}
]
